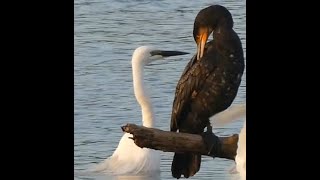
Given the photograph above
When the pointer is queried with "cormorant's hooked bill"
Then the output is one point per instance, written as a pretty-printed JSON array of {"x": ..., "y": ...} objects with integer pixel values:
[
  {"x": 167, "y": 53},
  {"x": 201, "y": 40}
]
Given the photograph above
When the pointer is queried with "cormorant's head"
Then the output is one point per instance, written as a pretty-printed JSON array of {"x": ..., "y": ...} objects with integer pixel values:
[{"x": 207, "y": 21}]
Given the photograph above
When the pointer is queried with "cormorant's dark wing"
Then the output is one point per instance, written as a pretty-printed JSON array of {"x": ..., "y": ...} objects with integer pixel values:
[{"x": 190, "y": 83}]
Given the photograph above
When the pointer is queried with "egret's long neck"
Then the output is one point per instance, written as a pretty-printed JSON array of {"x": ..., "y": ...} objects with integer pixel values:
[{"x": 141, "y": 94}]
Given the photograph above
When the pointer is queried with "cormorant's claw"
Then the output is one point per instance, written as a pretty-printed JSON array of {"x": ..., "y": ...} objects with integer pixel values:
[{"x": 211, "y": 141}]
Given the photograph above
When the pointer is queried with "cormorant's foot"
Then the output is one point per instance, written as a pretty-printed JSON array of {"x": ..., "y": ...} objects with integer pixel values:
[{"x": 210, "y": 140}]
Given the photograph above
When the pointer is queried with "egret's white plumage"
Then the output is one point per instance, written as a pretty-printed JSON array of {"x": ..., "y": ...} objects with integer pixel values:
[
  {"x": 241, "y": 153},
  {"x": 231, "y": 114},
  {"x": 128, "y": 158}
]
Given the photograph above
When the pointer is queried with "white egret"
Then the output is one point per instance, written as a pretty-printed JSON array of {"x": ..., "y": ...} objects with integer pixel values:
[{"x": 128, "y": 158}]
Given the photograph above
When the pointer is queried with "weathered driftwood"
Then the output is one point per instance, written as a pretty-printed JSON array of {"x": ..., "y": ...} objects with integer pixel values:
[{"x": 180, "y": 142}]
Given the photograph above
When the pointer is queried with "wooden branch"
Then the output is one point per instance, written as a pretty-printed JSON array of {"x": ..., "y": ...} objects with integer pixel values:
[{"x": 180, "y": 142}]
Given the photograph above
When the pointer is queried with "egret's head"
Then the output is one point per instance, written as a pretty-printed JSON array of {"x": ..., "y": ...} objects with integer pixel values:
[{"x": 148, "y": 54}]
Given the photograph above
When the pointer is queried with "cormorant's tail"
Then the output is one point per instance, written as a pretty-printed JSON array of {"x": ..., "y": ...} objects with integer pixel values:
[{"x": 185, "y": 164}]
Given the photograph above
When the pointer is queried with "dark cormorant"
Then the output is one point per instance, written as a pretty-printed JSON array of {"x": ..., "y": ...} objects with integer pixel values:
[{"x": 209, "y": 83}]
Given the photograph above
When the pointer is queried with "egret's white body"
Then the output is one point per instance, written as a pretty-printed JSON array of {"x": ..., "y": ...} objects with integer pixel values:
[
  {"x": 128, "y": 158},
  {"x": 231, "y": 114},
  {"x": 241, "y": 153}
]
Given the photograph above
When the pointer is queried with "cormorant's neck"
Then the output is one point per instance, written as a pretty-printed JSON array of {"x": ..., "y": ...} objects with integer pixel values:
[
  {"x": 227, "y": 41},
  {"x": 224, "y": 24}
]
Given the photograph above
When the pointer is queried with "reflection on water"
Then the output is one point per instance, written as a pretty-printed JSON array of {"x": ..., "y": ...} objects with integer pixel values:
[
  {"x": 101, "y": 176},
  {"x": 153, "y": 177}
]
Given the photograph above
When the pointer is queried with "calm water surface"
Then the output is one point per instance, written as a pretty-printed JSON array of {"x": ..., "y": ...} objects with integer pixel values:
[{"x": 106, "y": 34}]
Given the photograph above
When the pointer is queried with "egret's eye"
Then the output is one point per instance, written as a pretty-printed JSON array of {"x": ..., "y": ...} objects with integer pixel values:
[{"x": 155, "y": 52}]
